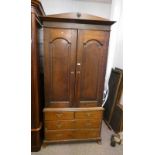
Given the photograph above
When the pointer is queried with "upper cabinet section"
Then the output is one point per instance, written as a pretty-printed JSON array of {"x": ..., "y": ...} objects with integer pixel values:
[{"x": 80, "y": 18}]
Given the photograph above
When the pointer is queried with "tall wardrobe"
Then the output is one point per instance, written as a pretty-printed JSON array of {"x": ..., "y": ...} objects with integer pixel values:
[{"x": 75, "y": 58}]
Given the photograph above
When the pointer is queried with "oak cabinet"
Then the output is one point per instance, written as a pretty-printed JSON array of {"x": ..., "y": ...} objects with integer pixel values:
[{"x": 75, "y": 58}]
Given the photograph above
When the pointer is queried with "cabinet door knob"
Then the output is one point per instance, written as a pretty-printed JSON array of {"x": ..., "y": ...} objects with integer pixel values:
[
  {"x": 72, "y": 72},
  {"x": 78, "y": 64}
]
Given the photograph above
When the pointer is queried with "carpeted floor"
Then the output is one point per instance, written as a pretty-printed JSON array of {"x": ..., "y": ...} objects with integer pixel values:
[{"x": 84, "y": 148}]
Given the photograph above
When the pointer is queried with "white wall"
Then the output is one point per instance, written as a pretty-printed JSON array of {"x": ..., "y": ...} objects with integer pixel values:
[
  {"x": 115, "y": 54},
  {"x": 116, "y": 14},
  {"x": 97, "y": 8}
]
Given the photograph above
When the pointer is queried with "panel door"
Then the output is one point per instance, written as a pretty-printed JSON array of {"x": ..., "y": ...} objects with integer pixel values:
[
  {"x": 60, "y": 57},
  {"x": 91, "y": 67}
]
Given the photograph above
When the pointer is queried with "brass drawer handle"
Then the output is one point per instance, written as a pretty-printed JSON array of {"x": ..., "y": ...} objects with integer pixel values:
[
  {"x": 59, "y": 126},
  {"x": 88, "y": 114},
  {"x": 59, "y": 115}
]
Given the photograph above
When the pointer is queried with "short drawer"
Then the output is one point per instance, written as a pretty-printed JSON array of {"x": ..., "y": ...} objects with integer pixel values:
[
  {"x": 48, "y": 115},
  {"x": 82, "y": 134},
  {"x": 58, "y": 135},
  {"x": 88, "y": 114},
  {"x": 88, "y": 124},
  {"x": 59, "y": 125}
]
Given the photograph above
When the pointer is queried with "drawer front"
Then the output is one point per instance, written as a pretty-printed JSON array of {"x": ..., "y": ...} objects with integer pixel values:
[
  {"x": 58, "y": 115},
  {"x": 59, "y": 125},
  {"x": 88, "y": 124},
  {"x": 82, "y": 134},
  {"x": 88, "y": 114},
  {"x": 71, "y": 134},
  {"x": 58, "y": 135},
  {"x": 72, "y": 124}
]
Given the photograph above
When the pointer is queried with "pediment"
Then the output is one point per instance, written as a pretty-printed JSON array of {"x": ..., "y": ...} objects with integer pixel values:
[
  {"x": 77, "y": 15},
  {"x": 77, "y": 18}
]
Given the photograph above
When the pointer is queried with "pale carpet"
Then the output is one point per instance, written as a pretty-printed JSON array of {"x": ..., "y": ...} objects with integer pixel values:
[{"x": 84, "y": 148}]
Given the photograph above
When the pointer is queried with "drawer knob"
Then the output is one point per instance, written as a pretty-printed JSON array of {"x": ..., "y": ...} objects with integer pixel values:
[{"x": 59, "y": 115}]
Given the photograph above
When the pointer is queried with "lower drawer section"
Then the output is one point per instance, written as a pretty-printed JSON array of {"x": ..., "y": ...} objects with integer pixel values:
[
  {"x": 72, "y": 124},
  {"x": 71, "y": 134}
]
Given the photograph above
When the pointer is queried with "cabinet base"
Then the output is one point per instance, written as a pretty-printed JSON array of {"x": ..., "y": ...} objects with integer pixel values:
[{"x": 46, "y": 142}]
